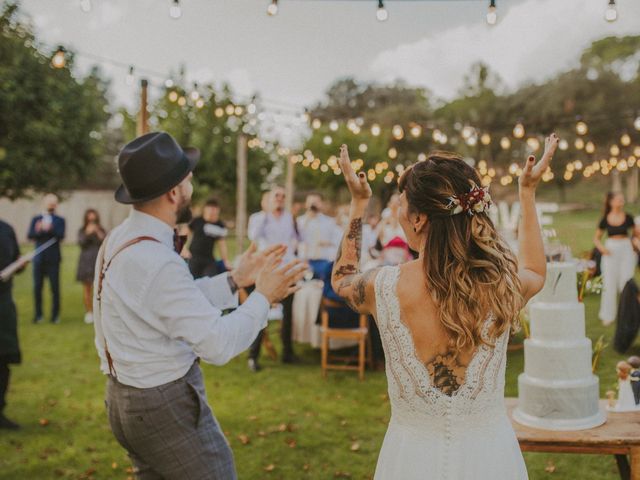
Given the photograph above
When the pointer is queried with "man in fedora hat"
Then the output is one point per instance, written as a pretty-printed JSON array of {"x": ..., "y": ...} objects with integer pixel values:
[{"x": 153, "y": 320}]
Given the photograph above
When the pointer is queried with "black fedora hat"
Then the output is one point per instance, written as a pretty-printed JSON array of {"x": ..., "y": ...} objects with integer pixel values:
[{"x": 152, "y": 165}]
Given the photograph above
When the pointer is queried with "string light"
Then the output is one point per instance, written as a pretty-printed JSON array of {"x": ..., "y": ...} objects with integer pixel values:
[
  {"x": 85, "y": 5},
  {"x": 611, "y": 13},
  {"x": 589, "y": 147},
  {"x": 381, "y": 14},
  {"x": 581, "y": 128},
  {"x": 168, "y": 83},
  {"x": 636, "y": 123},
  {"x": 333, "y": 125},
  {"x": 416, "y": 131},
  {"x": 175, "y": 11},
  {"x": 614, "y": 150},
  {"x": 563, "y": 144},
  {"x": 130, "y": 78},
  {"x": 492, "y": 14},
  {"x": 485, "y": 139},
  {"x": 505, "y": 143},
  {"x": 316, "y": 124},
  {"x": 173, "y": 96},
  {"x": 397, "y": 132},
  {"x": 59, "y": 59},
  {"x": 518, "y": 130},
  {"x": 533, "y": 143},
  {"x": 625, "y": 140},
  {"x": 375, "y": 129},
  {"x": 579, "y": 143},
  {"x": 272, "y": 9},
  {"x": 327, "y": 140}
]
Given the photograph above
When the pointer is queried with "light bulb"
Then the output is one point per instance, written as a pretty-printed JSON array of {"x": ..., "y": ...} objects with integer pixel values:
[
  {"x": 636, "y": 123},
  {"x": 375, "y": 129},
  {"x": 492, "y": 14},
  {"x": 168, "y": 83},
  {"x": 611, "y": 13},
  {"x": 272, "y": 9},
  {"x": 382, "y": 14},
  {"x": 59, "y": 60},
  {"x": 333, "y": 125},
  {"x": 175, "y": 11},
  {"x": 518, "y": 130},
  {"x": 130, "y": 78},
  {"x": 581, "y": 128},
  {"x": 625, "y": 140},
  {"x": 85, "y": 5}
]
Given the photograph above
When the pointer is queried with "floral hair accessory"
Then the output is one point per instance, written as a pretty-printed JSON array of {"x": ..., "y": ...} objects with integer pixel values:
[{"x": 477, "y": 200}]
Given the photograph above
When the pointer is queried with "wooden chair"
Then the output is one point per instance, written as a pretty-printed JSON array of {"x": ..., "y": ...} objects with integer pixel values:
[{"x": 361, "y": 334}]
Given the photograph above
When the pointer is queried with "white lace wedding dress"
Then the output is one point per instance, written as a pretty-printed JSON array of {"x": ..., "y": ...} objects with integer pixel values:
[{"x": 432, "y": 435}]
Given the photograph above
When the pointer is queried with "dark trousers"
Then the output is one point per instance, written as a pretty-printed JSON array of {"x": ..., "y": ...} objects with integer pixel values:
[
  {"x": 285, "y": 332},
  {"x": 4, "y": 384},
  {"x": 52, "y": 272}
]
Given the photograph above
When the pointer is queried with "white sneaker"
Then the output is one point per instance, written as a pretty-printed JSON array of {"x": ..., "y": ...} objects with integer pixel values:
[{"x": 88, "y": 317}]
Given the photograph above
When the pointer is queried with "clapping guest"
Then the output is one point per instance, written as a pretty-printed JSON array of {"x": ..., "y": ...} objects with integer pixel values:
[
  {"x": 277, "y": 226},
  {"x": 43, "y": 228},
  {"x": 618, "y": 257},
  {"x": 208, "y": 231},
  {"x": 318, "y": 239},
  {"x": 90, "y": 237}
]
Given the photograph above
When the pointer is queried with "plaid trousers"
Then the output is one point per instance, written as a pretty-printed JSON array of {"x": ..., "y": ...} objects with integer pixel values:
[{"x": 169, "y": 431}]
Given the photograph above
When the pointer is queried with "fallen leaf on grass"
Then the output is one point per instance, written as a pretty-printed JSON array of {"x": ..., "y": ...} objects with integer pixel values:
[
  {"x": 551, "y": 467},
  {"x": 291, "y": 442},
  {"x": 252, "y": 418},
  {"x": 244, "y": 439},
  {"x": 342, "y": 475},
  {"x": 52, "y": 402},
  {"x": 270, "y": 468},
  {"x": 306, "y": 467},
  {"x": 343, "y": 423},
  {"x": 43, "y": 422},
  {"x": 355, "y": 446},
  {"x": 262, "y": 433}
]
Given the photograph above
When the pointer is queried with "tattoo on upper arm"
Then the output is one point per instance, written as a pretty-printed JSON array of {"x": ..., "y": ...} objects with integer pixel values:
[{"x": 360, "y": 287}]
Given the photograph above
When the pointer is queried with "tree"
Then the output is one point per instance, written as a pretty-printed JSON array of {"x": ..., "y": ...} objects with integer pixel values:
[{"x": 50, "y": 121}]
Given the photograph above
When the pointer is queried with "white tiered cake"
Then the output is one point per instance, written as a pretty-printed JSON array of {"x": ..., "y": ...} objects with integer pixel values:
[{"x": 558, "y": 390}]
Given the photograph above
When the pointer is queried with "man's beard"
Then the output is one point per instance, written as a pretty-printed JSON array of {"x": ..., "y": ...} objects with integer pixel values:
[{"x": 183, "y": 215}]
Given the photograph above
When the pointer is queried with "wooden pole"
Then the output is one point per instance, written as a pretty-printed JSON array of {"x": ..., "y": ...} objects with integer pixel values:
[
  {"x": 289, "y": 187},
  {"x": 143, "y": 116},
  {"x": 632, "y": 185},
  {"x": 241, "y": 192}
]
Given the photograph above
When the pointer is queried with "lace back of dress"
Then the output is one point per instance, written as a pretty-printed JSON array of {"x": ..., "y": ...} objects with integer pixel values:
[{"x": 410, "y": 384}]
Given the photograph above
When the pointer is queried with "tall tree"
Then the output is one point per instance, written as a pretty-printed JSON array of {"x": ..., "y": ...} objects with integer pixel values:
[{"x": 50, "y": 121}]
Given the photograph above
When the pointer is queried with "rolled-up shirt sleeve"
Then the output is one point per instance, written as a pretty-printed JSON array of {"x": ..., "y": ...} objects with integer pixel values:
[
  {"x": 185, "y": 313},
  {"x": 218, "y": 291}
]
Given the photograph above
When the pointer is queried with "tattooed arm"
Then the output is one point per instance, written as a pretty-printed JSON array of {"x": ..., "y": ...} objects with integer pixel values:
[{"x": 346, "y": 278}]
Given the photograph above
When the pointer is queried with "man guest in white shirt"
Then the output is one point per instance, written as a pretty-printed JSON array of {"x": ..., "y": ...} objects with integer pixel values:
[{"x": 154, "y": 321}]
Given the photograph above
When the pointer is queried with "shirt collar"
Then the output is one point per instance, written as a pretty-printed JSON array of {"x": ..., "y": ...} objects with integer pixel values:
[{"x": 146, "y": 224}]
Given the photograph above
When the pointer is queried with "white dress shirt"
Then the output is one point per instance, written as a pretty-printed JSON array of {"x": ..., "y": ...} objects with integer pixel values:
[
  {"x": 157, "y": 319},
  {"x": 268, "y": 230},
  {"x": 318, "y": 234}
]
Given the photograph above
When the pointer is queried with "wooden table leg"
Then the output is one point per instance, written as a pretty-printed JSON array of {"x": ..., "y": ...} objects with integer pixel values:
[
  {"x": 635, "y": 463},
  {"x": 623, "y": 467}
]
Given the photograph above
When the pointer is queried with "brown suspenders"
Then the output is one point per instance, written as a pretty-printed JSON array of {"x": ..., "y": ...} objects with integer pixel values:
[{"x": 103, "y": 271}]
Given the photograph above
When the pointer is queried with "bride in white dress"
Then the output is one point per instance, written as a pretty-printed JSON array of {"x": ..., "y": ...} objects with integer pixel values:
[{"x": 445, "y": 318}]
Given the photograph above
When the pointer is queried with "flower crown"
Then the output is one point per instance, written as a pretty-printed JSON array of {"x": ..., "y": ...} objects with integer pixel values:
[{"x": 477, "y": 200}]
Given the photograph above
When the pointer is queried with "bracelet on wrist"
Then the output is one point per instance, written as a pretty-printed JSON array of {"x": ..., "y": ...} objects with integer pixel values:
[{"x": 232, "y": 284}]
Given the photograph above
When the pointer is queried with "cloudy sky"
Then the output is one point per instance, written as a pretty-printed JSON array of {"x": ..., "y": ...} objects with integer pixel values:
[{"x": 291, "y": 58}]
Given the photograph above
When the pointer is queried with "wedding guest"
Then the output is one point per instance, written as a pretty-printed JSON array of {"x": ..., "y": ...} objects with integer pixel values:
[
  {"x": 389, "y": 227},
  {"x": 43, "y": 228},
  {"x": 9, "y": 346},
  {"x": 154, "y": 321},
  {"x": 277, "y": 226},
  {"x": 370, "y": 238},
  {"x": 619, "y": 259},
  {"x": 207, "y": 231},
  {"x": 318, "y": 236},
  {"x": 90, "y": 237},
  {"x": 256, "y": 219}
]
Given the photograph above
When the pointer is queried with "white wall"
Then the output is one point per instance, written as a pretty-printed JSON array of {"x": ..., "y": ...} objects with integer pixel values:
[{"x": 19, "y": 213}]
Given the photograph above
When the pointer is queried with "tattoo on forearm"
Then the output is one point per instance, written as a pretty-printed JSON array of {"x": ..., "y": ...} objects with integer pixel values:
[
  {"x": 343, "y": 270},
  {"x": 360, "y": 287}
]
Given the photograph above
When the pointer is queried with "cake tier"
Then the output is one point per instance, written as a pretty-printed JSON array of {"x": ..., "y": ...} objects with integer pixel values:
[
  {"x": 557, "y": 321},
  {"x": 558, "y": 360},
  {"x": 559, "y": 405},
  {"x": 560, "y": 284}
]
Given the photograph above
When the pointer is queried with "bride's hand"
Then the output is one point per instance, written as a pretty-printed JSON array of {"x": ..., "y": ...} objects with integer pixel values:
[
  {"x": 532, "y": 172},
  {"x": 358, "y": 185}
]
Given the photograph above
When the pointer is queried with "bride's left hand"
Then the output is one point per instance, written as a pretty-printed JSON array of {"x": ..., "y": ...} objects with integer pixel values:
[{"x": 358, "y": 185}]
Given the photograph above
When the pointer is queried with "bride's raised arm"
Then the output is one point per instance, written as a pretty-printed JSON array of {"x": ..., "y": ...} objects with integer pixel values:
[
  {"x": 532, "y": 263},
  {"x": 347, "y": 280}
]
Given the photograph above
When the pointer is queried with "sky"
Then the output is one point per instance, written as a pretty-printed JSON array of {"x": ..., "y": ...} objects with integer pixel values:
[{"x": 291, "y": 59}]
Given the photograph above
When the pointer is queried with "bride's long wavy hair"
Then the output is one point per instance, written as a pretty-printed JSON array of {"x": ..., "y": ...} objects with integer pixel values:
[{"x": 470, "y": 271}]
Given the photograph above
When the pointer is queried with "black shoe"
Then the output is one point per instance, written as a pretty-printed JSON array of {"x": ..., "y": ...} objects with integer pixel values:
[
  {"x": 253, "y": 365},
  {"x": 37, "y": 320},
  {"x": 290, "y": 358},
  {"x": 8, "y": 424},
  {"x": 55, "y": 321}
]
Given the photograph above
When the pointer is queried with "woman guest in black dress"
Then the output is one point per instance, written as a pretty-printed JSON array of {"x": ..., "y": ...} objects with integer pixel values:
[
  {"x": 90, "y": 237},
  {"x": 618, "y": 256}
]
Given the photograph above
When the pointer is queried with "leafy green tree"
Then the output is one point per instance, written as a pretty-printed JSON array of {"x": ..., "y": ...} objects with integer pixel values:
[{"x": 50, "y": 120}]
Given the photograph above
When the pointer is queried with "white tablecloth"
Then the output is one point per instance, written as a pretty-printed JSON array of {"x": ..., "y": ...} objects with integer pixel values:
[{"x": 306, "y": 305}]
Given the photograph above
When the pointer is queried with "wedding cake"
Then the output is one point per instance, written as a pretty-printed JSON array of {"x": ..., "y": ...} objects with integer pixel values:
[{"x": 558, "y": 390}]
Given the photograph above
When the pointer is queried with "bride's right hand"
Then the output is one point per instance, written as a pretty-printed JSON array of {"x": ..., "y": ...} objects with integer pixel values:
[
  {"x": 532, "y": 172},
  {"x": 358, "y": 185}
]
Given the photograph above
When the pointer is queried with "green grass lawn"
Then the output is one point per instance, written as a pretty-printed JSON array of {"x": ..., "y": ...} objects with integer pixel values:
[{"x": 298, "y": 426}]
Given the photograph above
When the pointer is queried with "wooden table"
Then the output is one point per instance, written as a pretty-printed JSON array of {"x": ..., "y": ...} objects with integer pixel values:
[{"x": 619, "y": 436}]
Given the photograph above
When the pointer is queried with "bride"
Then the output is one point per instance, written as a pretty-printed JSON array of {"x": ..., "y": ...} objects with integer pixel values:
[{"x": 446, "y": 317}]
